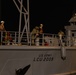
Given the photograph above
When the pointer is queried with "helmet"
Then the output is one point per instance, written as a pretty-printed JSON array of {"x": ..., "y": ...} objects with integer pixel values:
[
  {"x": 2, "y": 21},
  {"x": 41, "y": 25}
]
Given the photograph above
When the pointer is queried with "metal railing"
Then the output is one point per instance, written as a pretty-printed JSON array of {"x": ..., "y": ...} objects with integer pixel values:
[{"x": 46, "y": 39}]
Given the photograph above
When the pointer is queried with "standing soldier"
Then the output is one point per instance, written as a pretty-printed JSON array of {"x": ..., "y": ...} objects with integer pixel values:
[
  {"x": 41, "y": 32},
  {"x": 60, "y": 34},
  {"x": 34, "y": 34},
  {"x": 2, "y": 28}
]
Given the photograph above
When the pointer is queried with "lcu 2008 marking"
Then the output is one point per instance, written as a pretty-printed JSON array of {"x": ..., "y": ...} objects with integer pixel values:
[{"x": 43, "y": 57}]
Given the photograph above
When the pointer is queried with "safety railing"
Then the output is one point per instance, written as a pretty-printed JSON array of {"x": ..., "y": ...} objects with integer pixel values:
[
  {"x": 8, "y": 38},
  {"x": 45, "y": 39}
]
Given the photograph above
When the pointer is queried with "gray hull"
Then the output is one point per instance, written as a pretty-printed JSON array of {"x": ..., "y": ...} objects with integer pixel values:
[{"x": 42, "y": 60}]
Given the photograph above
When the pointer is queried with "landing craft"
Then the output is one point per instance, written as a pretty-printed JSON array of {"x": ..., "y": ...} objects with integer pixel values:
[{"x": 54, "y": 56}]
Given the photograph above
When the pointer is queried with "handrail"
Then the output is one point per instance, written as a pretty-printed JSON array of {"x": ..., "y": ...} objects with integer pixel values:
[{"x": 11, "y": 38}]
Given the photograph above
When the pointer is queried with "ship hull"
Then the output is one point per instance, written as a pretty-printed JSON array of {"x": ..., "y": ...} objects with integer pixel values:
[{"x": 42, "y": 60}]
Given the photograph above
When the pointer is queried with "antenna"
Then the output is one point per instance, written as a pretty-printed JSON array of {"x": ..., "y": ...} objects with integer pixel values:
[{"x": 25, "y": 12}]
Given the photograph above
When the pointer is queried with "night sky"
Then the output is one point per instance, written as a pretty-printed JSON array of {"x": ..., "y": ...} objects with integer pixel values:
[{"x": 53, "y": 14}]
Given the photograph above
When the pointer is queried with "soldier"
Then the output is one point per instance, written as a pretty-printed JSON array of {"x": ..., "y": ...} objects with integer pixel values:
[
  {"x": 34, "y": 34},
  {"x": 2, "y": 28},
  {"x": 60, "y": 34},
  {"x": 41, "y": 28},
  {"x": 40, "y": 33}
]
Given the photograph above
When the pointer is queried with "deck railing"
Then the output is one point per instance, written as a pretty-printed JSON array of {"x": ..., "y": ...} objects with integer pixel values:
[{"x": 11, "y": 38}]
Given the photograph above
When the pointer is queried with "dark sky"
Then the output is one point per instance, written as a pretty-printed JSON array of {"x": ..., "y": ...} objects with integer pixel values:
[{"x": 54, "y": 14}]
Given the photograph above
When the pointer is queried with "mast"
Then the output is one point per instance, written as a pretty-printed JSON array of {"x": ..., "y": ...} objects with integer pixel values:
[{"x": 25, "y": 12}]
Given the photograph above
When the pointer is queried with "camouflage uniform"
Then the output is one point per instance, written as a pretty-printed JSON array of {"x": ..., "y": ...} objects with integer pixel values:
[
  {"x": 2, "y": 27},
  {"x": 34, "y": 34}
]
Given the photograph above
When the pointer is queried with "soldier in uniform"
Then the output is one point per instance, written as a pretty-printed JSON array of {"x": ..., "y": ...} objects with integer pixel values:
[
  {"x": 34, "y": 34},
  {"x": 40, "y": 33},
  {"x": 60, "y": 34},
  {"x": 2, "y": 28}
]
